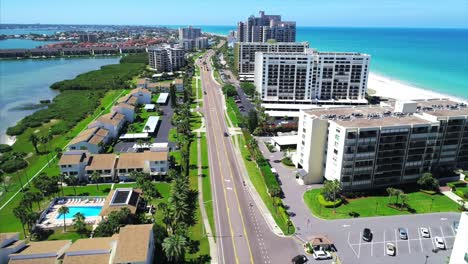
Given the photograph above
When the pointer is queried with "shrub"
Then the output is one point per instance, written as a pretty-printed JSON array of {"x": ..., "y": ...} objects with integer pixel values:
[
  {"x": 12, "y": 165},
  {"x": 5, "y": 148},
  {"x": 287, "y": 161},
  {"x": 456, "y": 184},
  {"x": 229, "y": 90},
  {"x": 34, "y": 124},
  {"x": 428, "y": 192},
  {"x": 329, "y": 204}
]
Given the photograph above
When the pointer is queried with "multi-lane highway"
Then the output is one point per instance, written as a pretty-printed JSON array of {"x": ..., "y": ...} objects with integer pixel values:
[{"x": 242, "y": 235}]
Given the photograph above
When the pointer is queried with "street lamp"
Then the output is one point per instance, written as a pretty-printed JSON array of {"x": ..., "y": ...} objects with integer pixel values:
[{"x": 426, "y": 259}]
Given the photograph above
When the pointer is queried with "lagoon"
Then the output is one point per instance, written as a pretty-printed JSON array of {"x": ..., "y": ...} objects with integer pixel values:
[{"x": 27, "y": 81}]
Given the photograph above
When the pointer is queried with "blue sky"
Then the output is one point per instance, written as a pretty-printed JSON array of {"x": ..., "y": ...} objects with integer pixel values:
[{"x": 354, "y": 13}]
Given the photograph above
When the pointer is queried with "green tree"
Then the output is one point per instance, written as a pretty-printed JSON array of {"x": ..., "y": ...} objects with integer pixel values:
[
  {"x": 173, "y": 96},
  {"x": 79, "y": 223},
  {"x": 73, "y": 182},
  {"x": 252, "y": 122},
  {"x": 63, "y": 211},
  {"x": 428, "y": 182},
  {"x": 34, "y": 141},
  {"x": 21, "y": 214},
  {"x": 174, "y": 248},
  {"x": 95, "y": 177},
  {"x": 229, "y": 90},
  {"x": 249, "y": 88},
  {"x": 391, "y": 192},
  {"x": 330, "y": 191},
  {"x": 3, "y": 180}
]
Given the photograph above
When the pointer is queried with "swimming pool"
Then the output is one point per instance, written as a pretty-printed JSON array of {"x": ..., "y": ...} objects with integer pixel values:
[{"x": 87, "y": 211}]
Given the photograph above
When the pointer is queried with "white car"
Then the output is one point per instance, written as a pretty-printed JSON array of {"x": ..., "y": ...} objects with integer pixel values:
[
  {"x": 320, "y": 254},
  {"x": 425, "y": 232},
  {"x": 439, "y": 242},
  {"x": 390, "y": 249}
]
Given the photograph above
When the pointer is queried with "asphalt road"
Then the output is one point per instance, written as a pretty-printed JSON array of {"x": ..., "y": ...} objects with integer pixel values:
[{"x": 242, "y": 233}]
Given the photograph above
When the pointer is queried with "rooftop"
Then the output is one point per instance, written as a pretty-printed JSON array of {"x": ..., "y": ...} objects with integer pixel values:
[
  {"x": 95, "y": 244},
  {"x": 137, "y": 160},
  {"x": 101, "y": 162},
  {"x": 6, "y": 236},
  {"x": 87, "y": 259},
  {"x": 130, "y": 195},
  {"x": 48, "y": 248},
  {"x": 72, "y": 158},
  {"x": 151, "y": 124},
  {"x": 134, "y": 136},
  {"x": 133, "y": 243},
  {"x": 442, "y": 108},
  {"x": 92, "y": 135},
  {"x": 162, "y": 99}
]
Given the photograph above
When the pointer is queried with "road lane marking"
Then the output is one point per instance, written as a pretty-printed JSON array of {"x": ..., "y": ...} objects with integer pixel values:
[
  {"x": 384, "y": 250},
  {"x": 432, "y": 238},
  {"x": 420, "y": 241},
  {"x": 396, "y": 242},
  {"x": 229, "y": 188},
  {"x": 351, "y": 246},
  {"x": 443, "y": 237},
  {"x": 407, "y": 238},
  {"x": 360, "y": 240},
  {"x": 372, "y": 247}
]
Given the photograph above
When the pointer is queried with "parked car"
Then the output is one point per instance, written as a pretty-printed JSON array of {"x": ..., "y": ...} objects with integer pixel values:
[
  {"x": 390, "y": 249},
  {"x": 226, "y": 134},
  {"x": 299, "y": 259},
  {"x": 402, "y": 233},
  {"x": 321, "y": 254},
  {"x": 425, "y": 232},
  {"x": 367, "y": 234},
  {"x": 439, "y": 242}
]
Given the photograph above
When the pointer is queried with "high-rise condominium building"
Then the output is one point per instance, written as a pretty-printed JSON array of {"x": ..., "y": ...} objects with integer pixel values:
[
  {"x": 189, "y": 33},
  {"x": 190, "y": 38},
  {"x": 266, "y": 27},
  {"x": 166, "y": 58},
  {"x": 244, "y": 53},
  {"x": 375, "y": 147},
  {"x": 311, "y": 77}
]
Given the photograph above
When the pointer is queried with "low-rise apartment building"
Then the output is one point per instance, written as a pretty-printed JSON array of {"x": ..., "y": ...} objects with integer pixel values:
[
  {"x": 104, "y": 164},
  {"x": 244, "y": 53},
  {"x": 143, "y": 95},
  {"x": 375, "y": 147},
  {"x": 73, "y": 163},
  {"x": 91, "y": 139},
  {"x": 40, "y": 252},
  {"x": 125, "y": 109},
  {"x": 152, "y": 162},
  {"x": 9, "y": 243},
  {"x": 311, "y": 77},
  {"x": 112, "y": 122}
]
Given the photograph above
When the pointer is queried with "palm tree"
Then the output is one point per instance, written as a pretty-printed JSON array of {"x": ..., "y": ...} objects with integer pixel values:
[
  {"x": 174, "y": 248},
  {"x": 79, "y": 223},
  {"x": 63, "y": 211},
  {"x": 147, "y": 128},
  {"x": 95, "y": 176},
  {"x": 34, "y": 140},
  {"x": 3, "y": 180},
  {"x": 72, "y": 181},
  {"x": 28, "y": 199},
  {"x": 391, "y": 192},
  {"x": 21, "y": 214}
]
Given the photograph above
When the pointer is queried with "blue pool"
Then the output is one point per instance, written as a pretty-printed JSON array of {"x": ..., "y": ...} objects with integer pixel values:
[{"x": 87, "y": 211}]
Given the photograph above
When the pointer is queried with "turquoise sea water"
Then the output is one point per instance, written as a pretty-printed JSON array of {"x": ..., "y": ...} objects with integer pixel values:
[
  {"x": 27, "y": 81},
  {"x": 435, "y": 59},
  {"x": 87, "y": 211}
]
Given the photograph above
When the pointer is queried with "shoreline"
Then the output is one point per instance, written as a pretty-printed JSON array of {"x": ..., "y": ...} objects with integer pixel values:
[{"x": 398, "y": 90}]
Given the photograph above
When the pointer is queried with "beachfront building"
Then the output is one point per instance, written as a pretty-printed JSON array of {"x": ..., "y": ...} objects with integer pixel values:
[
  {"x": 103, "y": 164},
  {"x": 112, "y": 122},
  {"x": 133, "y": 244},
  {"x": 143, "y": 95},
  {"x": 73, "y": 163},
  {"x": 266, "y": 27},
  {"x": 119, "y": 198},
  {"x": 40, "y": 252},
  {"x": 152, "y": 162},
  {"x": 311, "y": 77},
  {"x": 374, "y": 147},
  {"x": 166, "y": 58},
  {"x": 9, "y": 243},
  {"x": 125, "y": 109},
  {"x": 128, "y": 99},
  {"x": 244, "y": 53},
  {"x": 91, "y": 139}
]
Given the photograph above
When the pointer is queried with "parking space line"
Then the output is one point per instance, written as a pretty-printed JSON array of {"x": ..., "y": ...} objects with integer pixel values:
[
  {"x": 351, "y": 246},
  {"x": 407, "y": 238},
  {"x": 420, "y": 241},
  {"x": 384, "y": 250},
  {"x": 360, "y": 241},
  {"x": 432, "y": 237},
  {"x": 396, "y": 242},
  {"x": 372, "y": 247},
  {"x": 453, "y": 231},
  {"x": 443, "y": 237}
]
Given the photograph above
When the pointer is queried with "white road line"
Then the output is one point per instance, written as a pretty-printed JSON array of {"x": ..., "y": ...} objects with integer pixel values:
[
  {"x": 432, "y": 240},
  {"x": 420, "y": 241},
  {"x": 453, "y": 230},
  {"x": 383, "y": 242},
  {"x": 407, "y": 238},
  {"x": 443, "y": 237},
  {"x": 372, "y": 247},
  {"x": 352, "y": 248},
  {"x": 360, "y": 240},
  {"x": 384, "y": 251},
  {"x": 396, "y": 242}
]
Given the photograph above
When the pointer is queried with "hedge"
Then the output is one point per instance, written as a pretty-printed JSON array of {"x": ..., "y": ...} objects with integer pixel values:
[
  {"x": 329, "y": 204},
  {"x": 5, "y": 148},
  {"x": 456, "y": 184}
]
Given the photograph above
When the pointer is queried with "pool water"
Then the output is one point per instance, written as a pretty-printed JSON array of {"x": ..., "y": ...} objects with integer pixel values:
[{"x": 87, "y": 211}]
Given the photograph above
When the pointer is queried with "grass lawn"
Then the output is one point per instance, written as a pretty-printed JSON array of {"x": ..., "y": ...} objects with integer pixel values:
[
  {"x": 206, "y": 185},
  {"x": 460, "y": 191},
  {"x": 172, "y": 134},
  {"x": 378, "y": 205},
  {"x": 8, "y": 223},
  {"x": 259, "y": 183},
  {"x": 69, "y": 234},
  {"x": 232, "y": 111}
]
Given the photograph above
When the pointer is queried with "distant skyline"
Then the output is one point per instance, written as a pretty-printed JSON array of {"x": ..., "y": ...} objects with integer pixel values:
[{"x": 333, "y": 13}]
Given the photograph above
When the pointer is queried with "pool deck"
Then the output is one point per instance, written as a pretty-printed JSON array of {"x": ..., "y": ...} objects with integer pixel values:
[{"x": 50, "y": 219}]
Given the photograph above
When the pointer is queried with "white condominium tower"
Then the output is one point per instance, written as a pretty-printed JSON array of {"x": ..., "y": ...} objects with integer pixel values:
[
  {"x": 266, "y": 27},
  {"x": 244, "y": 53},
  {"x": 311, "y": 77},
  {"x": 166, "y": 58},
  {"x": 374, "y": 147}
]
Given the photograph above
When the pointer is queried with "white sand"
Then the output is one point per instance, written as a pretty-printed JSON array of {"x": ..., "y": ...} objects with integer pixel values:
[
  {"x": 386, "y": 87},
  {"x": 5, "y": 139}
]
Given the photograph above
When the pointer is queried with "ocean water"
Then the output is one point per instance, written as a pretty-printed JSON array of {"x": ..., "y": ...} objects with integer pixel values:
[
  {"x": 23, "y": 43},
  {"x": 434, "y": 59},
  {"x": 27, "y": 81}
]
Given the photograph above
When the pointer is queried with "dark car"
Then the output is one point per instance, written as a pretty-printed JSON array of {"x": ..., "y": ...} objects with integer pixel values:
[
  {"x": 367, "y": 234},
  {"x": 226, "y": 134},
  {"x": 299, "y": 259}
]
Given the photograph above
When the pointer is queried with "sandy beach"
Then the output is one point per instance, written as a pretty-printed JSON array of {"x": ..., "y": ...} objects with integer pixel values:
[
  {"x": 386, "y": 87},
  {"x": 5, "y": 139}
]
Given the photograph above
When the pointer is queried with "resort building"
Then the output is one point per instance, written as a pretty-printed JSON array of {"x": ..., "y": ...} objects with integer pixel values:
[
  {"x": 244, "y": 53},
  {"x": 375, "y": 147},
  {"x": 91, "y": 139},
  {"x": 112, "y": 122},
  {"x": 133, "y": 244},
  {"x": 73, "y": 163},
  {"x": 166, "y": 58},
  {"x": 141, "y": 83},
  {"x": 9, "y": 243},
  {"x": 91, "y": 250},
  {"x": 190, "y": 38},
  {"x": 152, "y": 162},
  {"x": 266, "y": 27},
  {"x": 125, "y": 109},
  {"x": 128, "y": 99},
  {"x": 121, "y": 198},
  {"x": 179, "y": 85},
  {"x": 143, "y": 95},
  {"x": 40, "y": 252},
  {"x": 311, "y": 77},
  {"x": 104, "y": 164},
  {"x": 189, "y": 33}
]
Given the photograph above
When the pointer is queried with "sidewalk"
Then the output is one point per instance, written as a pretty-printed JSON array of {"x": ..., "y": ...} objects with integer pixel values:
[{"x": 454, "y": 197}]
